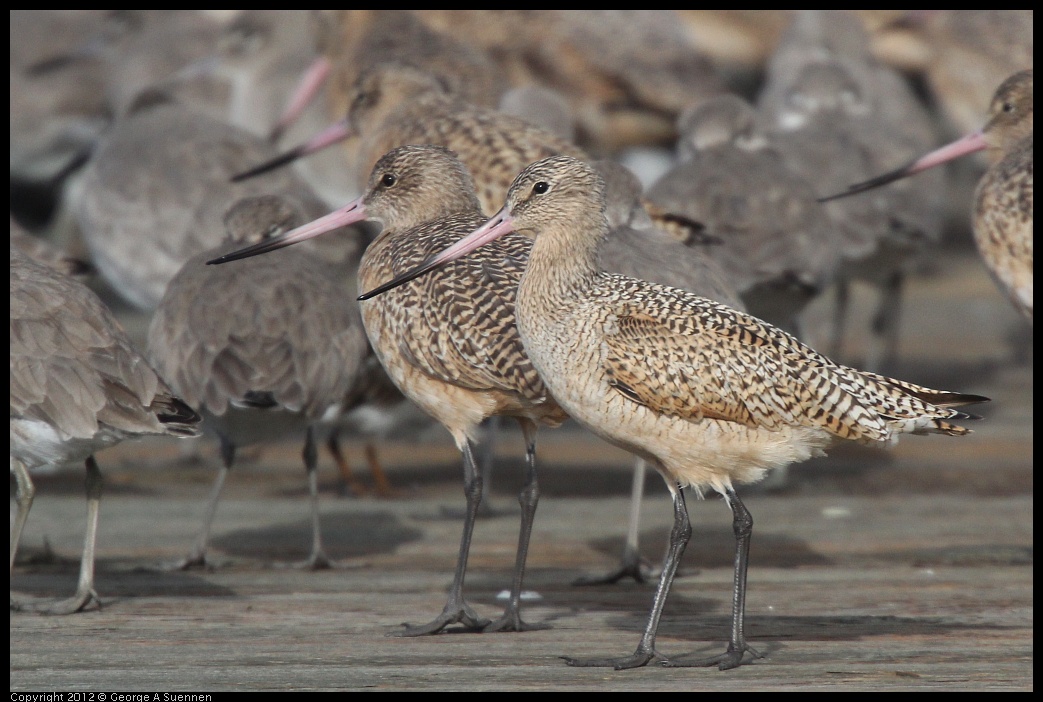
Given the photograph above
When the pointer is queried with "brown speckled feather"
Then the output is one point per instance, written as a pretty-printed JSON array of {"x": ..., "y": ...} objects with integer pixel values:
[
  {"x": 395, "y": 105},
  {"x": 1003, "y": 212},
  {"x": 477, "y": 294},
  {"x": 690, "y": 357}
]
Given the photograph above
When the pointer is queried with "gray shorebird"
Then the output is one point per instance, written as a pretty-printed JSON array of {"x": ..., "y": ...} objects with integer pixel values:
[
  {"x": 460, "y": 359},
  {"x": 709, "y": 395},
  {"x": 833, "y": 111},
  {"x": 1002, "y": 210},
  {"x": 777, "y": 244},
  {"x": 156, "y": 189},
  {"x": 263, "y": 348},
  {"x": 78, "y": 386}
]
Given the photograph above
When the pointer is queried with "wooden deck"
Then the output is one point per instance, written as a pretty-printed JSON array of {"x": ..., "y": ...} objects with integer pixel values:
[{"x": 902, "y": 570}]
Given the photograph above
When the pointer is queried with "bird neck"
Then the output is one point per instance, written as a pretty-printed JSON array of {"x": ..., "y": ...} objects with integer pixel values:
[{"x": 563, "y": 264}]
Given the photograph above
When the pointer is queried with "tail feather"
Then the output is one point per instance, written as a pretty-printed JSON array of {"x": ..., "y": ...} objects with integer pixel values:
[
  {"x": 939, "y": 398},
  {"x": 176, "y": 416}
]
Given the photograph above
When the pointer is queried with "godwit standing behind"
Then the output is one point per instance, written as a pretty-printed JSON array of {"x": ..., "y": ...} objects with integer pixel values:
[
  {"x": 1002, "y": 211},
  {"x": 351, "y": 42},
  {"x": 395, "y": 104},
  {"x": 709, "y": 395},
  {"x": 461, "y": 359},
  {"x": 78, "y": 385},
  {"x": 622, "y": 93},
  {"x": 262, "y": 348}
]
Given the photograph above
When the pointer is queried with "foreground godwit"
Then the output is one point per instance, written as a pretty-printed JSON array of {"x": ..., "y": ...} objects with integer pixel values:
[
  {"x": 262, "y": 348},
  {"x": 460, "y": 360},
  {"x": 1002, "y": 212},
  {"x": 78, "y": 385},
  {"x": 709, "y": 395},
  {"x": 637, "y": 249}
]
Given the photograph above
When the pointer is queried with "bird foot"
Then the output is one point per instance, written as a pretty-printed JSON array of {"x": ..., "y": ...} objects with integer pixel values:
[
  {"x": 637, "y": 659},
  {"x": 638, "y": 569},
  {"x": 512, "y": 621},
  {"x": 462, "y": 614},
  {"x": 731, "y": 658},
  {"x": 78, "y": 602}
]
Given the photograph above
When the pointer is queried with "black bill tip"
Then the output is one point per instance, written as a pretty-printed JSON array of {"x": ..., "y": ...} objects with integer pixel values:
[
  {"x": 277, "y": 162},
  {"x": 884, "y": 179}
]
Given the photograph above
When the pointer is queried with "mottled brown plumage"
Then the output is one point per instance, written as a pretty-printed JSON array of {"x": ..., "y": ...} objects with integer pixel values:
[
  {"x": 78, "y": 385},
  {"x": 626, "y": 73},
  {"x": 709, "y": 395},
  {"x": 1003, "y": 204},
  {"x": 354, "y": 41},
  {"x": 449, "y": 343}
]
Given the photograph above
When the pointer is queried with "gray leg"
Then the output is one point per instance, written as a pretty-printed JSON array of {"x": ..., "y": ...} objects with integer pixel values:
[
  {"x": 486, "y": 455},
  {"x": 882, "y": 353},
  {"x": 318, "y": 559},
  {"x": 631, "y": 565},
  {"x": 197, "y": 556},
  {"x": 742, "y": 526},
  {"x": 85, "y": 593},
  {"x": 645, "y": 652},
  {"x": 528, "y": 498},
  {"x": 24, "y": 500},
  {"x": 456, "y": 610},
  {"x": 842, "y": 293}
]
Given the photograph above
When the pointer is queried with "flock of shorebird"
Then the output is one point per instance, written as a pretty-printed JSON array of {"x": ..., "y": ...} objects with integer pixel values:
[{"x": 494, "y": 258}]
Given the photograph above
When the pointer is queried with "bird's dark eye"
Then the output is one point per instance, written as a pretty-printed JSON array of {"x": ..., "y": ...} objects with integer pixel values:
[
  {"x": 1008, "y": 107},
  {"x": 388, "y": 180},
  {"x": 540, "y": 187}
]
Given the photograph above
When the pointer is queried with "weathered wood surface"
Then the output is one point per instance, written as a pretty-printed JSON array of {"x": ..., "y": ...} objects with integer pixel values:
[{"x": 902, "y": 570}]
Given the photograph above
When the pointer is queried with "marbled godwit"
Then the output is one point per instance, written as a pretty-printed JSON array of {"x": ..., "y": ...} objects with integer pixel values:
[
  {"x": 350, "y": 42},
  {"x": 832, "y": 110},
  {"x": 777, "y": 244},
  {"x": 262, "y": 349},
  {"x": 78, "y": 385},
  {"x": 396, "y": 105},
  {"x": 461, "y": 360},
  {"x": 635, "y": 248},
  {"x": 709, "y": 395},
  {"x": 1002, "y": 212}
]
